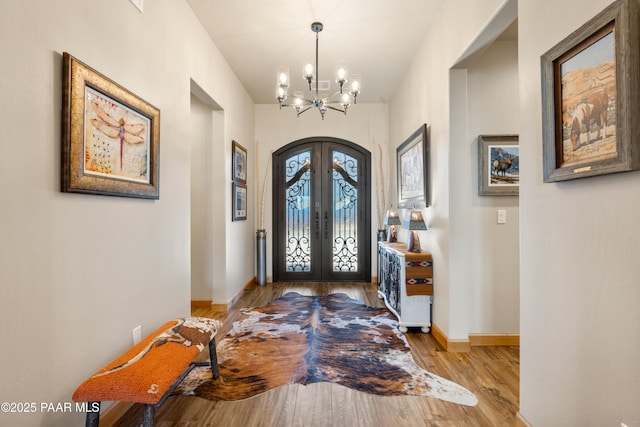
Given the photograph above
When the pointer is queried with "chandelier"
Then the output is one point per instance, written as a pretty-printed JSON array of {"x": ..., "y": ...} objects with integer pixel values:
[{"x": 338, "y": 101}]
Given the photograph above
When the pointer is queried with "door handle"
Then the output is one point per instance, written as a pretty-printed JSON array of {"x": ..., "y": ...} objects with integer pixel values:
[{"x": 317, "y": 225}]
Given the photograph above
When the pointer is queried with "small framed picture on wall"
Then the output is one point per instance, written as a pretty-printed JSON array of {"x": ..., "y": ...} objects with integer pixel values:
[
  {"x": 239, "y": 201},
  {"x": 498, "y": 165},
  {"x": 239, "y": 163}
]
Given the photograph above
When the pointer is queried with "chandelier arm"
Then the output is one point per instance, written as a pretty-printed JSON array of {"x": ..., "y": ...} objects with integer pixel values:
[
  {"x": 305, "y": 102},
  {"x": 304, "y": 110},
  {"x": 336, "y": 108}
]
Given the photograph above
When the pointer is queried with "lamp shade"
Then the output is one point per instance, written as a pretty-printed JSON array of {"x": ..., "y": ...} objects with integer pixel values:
[
  {"x": 416, "y": 221},
  {"x": 392, "y": 217}
]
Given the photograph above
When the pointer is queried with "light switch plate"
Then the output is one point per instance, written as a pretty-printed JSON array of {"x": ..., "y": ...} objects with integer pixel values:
[{"x": 502, "y": 216}]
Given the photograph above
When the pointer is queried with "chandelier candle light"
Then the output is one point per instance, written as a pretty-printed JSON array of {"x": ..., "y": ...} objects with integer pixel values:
[{"x": 339, "y": 101}]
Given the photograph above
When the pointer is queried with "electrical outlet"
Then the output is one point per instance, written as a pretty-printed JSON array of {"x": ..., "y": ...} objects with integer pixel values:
[
  {"x": 137, "y": 334},
  {"x": 139, "y": 4}
]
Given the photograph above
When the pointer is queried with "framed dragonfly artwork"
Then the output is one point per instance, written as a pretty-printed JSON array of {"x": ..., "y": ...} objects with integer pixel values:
[{"x": 110, "y": 137}]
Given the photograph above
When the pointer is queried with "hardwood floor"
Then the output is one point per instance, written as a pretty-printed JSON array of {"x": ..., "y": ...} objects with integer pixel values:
[{"x": 492, "y": 373}]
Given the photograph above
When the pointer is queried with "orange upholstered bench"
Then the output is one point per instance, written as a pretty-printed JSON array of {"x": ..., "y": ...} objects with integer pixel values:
[{"x": 151, "y": 369}]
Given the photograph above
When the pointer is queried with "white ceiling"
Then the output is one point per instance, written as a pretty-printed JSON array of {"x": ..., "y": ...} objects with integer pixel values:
[{"x": 377, "y": 38}]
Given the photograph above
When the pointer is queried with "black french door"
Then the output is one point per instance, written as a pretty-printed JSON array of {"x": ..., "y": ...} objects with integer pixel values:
[{"x": 322, "y": 215}]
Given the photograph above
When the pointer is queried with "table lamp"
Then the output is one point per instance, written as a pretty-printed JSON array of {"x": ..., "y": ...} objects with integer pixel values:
[
  {"x": 416, "y": 222},
  {"x": 391, "y": 219}
]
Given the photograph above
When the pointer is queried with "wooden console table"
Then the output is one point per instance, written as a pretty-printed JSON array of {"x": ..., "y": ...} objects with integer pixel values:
[{"x": 405, "y": 282}]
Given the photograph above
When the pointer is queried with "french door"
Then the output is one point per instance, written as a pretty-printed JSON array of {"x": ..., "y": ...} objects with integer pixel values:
[{"x": 322, "y": 215}]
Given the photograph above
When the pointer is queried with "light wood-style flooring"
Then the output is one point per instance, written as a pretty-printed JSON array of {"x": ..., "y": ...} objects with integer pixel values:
[{"x": 492, "y": 373}]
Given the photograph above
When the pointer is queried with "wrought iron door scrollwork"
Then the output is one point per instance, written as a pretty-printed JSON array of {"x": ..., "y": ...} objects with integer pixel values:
[
  {"x": 345, "y": 212},
  {"x": 298, "y": 249}
]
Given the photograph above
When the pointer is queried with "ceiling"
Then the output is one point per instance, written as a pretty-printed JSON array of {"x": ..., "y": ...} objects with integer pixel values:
[{"x": 377, "y": 38}]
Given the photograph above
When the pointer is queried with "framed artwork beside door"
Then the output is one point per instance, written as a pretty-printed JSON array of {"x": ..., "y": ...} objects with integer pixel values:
[
  {"x": 239, "y": 185},
  {"x": 239, "y": 162},
  {"x": 239, "y": 198},
  {"x": 412, "y": 158}
]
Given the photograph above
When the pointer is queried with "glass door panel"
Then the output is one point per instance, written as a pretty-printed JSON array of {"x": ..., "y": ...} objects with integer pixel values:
[
  {"x": 345, "y": 212},
  {"x": 297, "y": 207}
]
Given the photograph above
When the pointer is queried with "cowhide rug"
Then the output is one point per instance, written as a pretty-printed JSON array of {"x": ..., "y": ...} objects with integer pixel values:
[{"x": 308, "y": 339}]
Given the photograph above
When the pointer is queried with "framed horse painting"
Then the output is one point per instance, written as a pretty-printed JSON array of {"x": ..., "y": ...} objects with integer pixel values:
[{"x": 590, "y": 97}]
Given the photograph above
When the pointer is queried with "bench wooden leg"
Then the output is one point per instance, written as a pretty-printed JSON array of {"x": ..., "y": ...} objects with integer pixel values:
[
  {"x": 93, "y": 418},
  {"x": 213, "y": 356},
  {"x": 148, "y": 415}
]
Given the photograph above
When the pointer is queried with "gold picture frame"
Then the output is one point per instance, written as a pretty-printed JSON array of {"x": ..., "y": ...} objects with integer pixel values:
[{"x": 110, "y": 137}]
